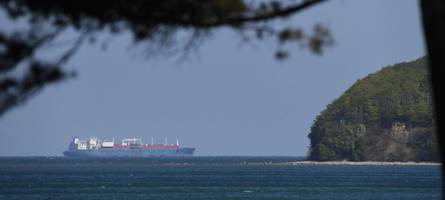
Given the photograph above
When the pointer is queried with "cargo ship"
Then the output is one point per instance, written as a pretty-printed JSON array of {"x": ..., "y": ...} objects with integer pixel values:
[{"x": 129, "y": 148}]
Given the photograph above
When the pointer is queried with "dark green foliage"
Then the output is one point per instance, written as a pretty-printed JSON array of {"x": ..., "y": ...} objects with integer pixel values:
[{"x": 387, "y": 116}]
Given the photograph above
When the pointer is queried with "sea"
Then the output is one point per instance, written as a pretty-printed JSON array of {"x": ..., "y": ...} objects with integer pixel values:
[{"x": 208, "y": 177}]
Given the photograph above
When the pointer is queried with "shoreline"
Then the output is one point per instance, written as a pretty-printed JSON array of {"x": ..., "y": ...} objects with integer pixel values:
[
  {"x": 252, "y": 160},
  {"x": 364, "y": 163}
]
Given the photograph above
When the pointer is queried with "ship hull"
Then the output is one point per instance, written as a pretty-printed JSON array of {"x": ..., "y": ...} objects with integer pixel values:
[{"x": 128, "y": 153}]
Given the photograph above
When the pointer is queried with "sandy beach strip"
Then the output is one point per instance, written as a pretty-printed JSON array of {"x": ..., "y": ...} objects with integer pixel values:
[{"x": 364, "y": 163}]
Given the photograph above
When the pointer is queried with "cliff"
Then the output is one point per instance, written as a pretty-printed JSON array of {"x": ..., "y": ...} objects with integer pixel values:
[{"x": 386, "y": 116}]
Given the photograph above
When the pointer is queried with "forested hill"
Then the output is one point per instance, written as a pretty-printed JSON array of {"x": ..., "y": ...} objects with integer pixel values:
[{"x": 386, "y": 116}]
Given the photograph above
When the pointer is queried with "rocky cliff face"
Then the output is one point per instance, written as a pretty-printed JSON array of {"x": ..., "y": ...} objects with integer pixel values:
[{"x": 386, "y": 116}]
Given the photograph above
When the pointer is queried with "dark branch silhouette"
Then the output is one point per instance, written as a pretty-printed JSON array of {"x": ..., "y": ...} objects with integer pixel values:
[
  {"x": 433, "y": 16},
  {"x": 155, "y": 22}
]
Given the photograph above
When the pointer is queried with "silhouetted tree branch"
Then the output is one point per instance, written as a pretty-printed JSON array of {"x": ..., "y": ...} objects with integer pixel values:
[
  {"x": 154, "y": 21},
  {"x": 433, "y": 16}
]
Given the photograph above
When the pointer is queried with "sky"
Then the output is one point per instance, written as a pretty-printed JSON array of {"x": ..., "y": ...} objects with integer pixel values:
[{"x": 228, "y": 98}]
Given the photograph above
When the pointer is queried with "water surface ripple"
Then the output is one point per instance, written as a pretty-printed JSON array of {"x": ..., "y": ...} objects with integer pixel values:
[{"x": 211, "y": 178}]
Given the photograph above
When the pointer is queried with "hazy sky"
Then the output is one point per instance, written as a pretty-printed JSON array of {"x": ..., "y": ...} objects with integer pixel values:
[{"x": 228, "y": 99}]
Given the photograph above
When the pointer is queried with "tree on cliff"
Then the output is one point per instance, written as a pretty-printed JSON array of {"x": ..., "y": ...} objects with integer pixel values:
[{"x": 386, "y": 116}]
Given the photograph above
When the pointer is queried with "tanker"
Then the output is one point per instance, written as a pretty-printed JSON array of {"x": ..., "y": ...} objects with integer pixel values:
[{"x": 129, "y": 148}]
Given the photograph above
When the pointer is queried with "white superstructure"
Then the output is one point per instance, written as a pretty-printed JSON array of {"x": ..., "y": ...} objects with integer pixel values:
[{"x": 90, "y": 143}]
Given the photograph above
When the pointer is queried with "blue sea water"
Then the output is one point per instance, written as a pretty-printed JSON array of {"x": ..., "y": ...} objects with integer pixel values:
[{"x": 211, "y": 178}]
